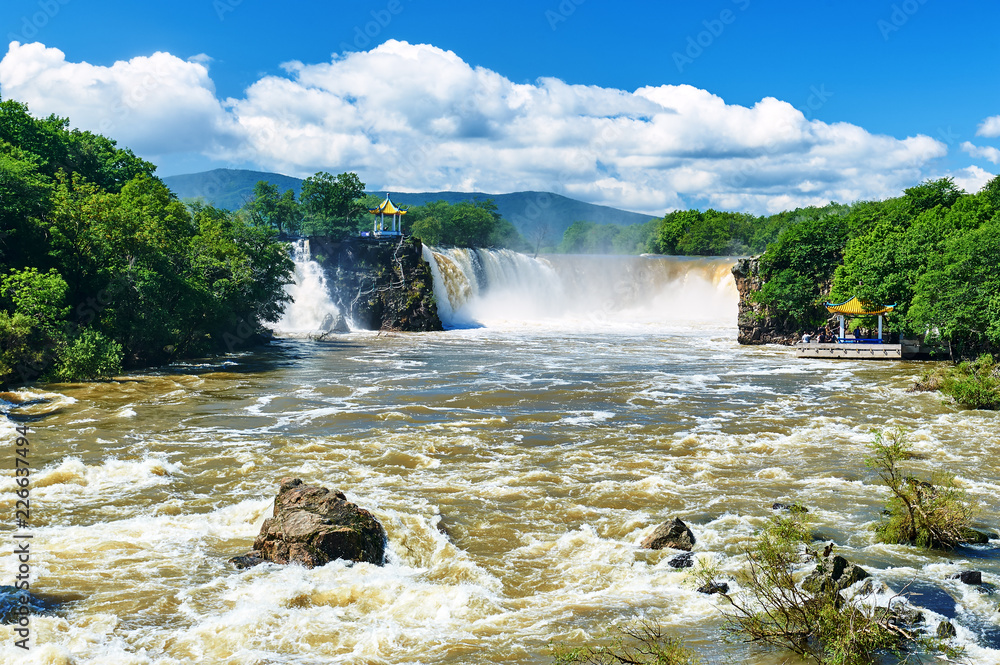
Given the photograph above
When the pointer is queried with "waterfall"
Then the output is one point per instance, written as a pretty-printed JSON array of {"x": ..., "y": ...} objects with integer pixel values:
[
  {"x": 476, "y": 287},
  {"x": 311, "y": 312}
]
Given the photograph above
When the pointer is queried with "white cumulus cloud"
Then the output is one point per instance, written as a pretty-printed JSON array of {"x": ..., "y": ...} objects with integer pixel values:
[
  {"x": 414, "y": 117},
  {"x": 156, "y": 105},
  {"x": 972, "y": 178},
  {"x": 990, "y": 127},
  {"x": 986, "y": 152}
]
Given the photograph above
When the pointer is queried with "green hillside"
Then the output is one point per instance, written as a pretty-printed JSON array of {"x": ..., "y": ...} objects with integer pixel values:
[{"x": 532, "y": 213}]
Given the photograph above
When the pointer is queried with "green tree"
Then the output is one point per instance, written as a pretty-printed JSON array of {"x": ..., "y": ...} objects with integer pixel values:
[
  {"x": 464, "y": 224},
  {"x": 333, "y": 206},
  {"x": 929, "y": 515},
  {"x": 31, "y": 322},
  {"x": 24, "y": 198},
  {"x": 797, "y": 268},
  {"x": 106, "y": 269},
  {"x": 269, "y": 208}
]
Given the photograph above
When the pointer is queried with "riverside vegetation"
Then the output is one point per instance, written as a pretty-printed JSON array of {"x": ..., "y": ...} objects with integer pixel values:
[{"x": 102, "y": 268}]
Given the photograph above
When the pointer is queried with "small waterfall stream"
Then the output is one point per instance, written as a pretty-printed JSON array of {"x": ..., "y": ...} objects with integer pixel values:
[{"x": 311, "y": 310}]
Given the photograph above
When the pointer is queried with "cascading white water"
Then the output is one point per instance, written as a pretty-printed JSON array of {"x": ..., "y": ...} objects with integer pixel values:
[
  {"x": 496, "y": 287},
  {"x": 311, "y": 309}
]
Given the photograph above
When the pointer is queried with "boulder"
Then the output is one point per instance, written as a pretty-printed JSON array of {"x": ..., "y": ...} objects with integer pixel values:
[
  {"x": 969, "y": 577},
  {"x": 313, "y": 526},
  {"x": 685, "y": 560},
  {"x": 946, "y": 629},
  {"x": 674, "y": 534},
  {"x": 833, "y": 574},
  {"x": 974, "y": 537},
  {"x": 714, "y": 587},
  {"x": 16, "y": 603},
  {"x": 790, "y": 507}
]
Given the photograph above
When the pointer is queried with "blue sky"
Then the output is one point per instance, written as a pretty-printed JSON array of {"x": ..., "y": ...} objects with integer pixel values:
[{"x": 739, "y": 104}]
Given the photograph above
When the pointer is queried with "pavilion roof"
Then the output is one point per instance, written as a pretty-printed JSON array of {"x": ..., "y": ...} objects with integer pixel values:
[
  {"x": 386, "y": 208},
  {"x": 858, "y": 308}
]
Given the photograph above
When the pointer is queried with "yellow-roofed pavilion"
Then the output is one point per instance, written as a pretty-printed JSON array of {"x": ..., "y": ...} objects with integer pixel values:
[
  {"x": 395, "y": 214},
  {"x": 855, "y": 307}
]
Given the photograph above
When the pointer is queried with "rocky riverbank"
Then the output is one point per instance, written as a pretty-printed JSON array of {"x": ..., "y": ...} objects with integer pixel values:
[
  {"x": 379, "y": 284},
  {"x": 755, "y": 324}
]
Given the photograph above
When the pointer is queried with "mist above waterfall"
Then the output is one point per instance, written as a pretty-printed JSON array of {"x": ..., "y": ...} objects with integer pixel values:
[{"x": 500, "y": 287}]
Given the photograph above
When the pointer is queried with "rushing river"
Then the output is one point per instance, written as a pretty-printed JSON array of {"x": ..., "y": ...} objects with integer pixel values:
[{"x": 516, "y": 462}]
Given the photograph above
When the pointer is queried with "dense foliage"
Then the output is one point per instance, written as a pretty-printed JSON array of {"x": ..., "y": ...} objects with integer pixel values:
[
  {"x": 338, "y": 207},
  {"x": 464, "y": 224},
  {"x": 932, "y": 252},
  {"x": 333, "y": 206},
  {"x": 102, "y": 268},
  {"x": 688, "y": 233}
]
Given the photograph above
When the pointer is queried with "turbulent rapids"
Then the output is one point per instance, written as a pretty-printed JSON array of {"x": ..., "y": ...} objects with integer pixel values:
[{"x": 516, "y": 461}]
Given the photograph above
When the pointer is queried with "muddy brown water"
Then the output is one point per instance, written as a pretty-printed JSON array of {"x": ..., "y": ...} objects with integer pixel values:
[{"x": 516, "y": 467}]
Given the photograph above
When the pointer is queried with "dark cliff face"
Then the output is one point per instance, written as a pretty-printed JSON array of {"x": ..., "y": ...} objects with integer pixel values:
[
  {"x": 380, "y": 284},
  {"x": 755, "y": 324}
]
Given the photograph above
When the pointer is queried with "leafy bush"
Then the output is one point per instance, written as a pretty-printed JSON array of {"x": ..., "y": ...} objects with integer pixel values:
[
  {"x": 771, "y": 608},
  {"x": 641, "y": 643},
  {"x": 926, "y": 514},
  {"x": 974, "y": 384},
  {"x": 90, "y": 356}
]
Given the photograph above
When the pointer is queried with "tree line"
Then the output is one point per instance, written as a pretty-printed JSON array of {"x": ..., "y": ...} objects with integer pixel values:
[
  {"x": 337, "y": 207},
  {"x": 102, "y": 268}
]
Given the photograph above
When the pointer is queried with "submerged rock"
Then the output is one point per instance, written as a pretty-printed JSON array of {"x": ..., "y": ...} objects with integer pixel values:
[
  {"x": 974, "y": 537},
  {"x": 12, "y": 600},
  {"x": 313, "y": 526},
  {"x": 713, "y": 587},
  {"x": 685, "y": 560},
  {"x": 674, "y": 534},
  {"x": 790, "y": 507},
  {"x": 833, "y": 574},
  {"x": 946, "y": 629}
]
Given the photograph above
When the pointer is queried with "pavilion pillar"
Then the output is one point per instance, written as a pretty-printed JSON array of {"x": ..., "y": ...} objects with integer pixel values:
[
  {"x": 880, "y": 327},
  {"x": 841, "y": 326}
]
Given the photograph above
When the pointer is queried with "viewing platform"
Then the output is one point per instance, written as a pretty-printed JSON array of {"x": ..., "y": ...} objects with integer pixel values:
[{"x": 863, "y": 349}]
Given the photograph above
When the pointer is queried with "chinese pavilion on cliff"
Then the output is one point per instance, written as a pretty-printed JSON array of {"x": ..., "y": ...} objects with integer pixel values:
[{"x": 395, "y": 215}]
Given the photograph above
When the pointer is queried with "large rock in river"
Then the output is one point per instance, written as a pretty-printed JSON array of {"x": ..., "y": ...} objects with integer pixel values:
[
  {"x": 313, "y": 526},
  {"x": 674, "y": 534}
]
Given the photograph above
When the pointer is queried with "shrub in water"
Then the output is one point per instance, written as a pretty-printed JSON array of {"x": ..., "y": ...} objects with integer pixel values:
[
  {"x": 930, "y": 515},
  {"x": 642, "y": 643}
]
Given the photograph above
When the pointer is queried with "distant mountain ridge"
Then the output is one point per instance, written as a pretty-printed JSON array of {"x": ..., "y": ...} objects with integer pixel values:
[{"x": 530, "y": 212}]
